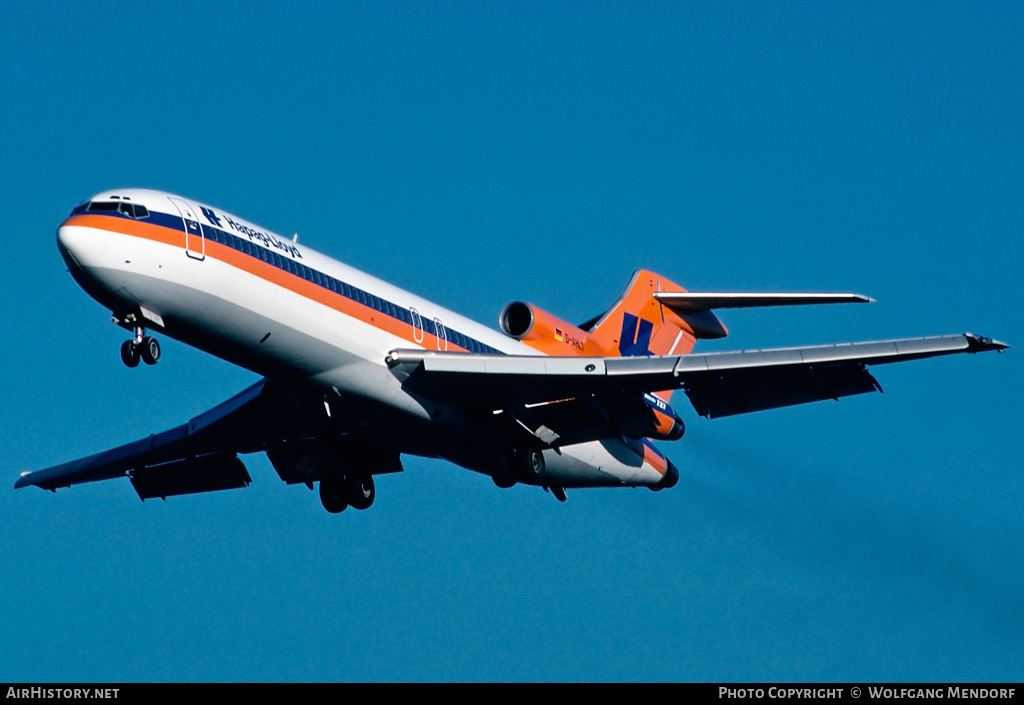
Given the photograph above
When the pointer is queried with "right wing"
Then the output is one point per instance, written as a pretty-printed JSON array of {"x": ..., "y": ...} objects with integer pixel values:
[{"x": 718, "y": 384}]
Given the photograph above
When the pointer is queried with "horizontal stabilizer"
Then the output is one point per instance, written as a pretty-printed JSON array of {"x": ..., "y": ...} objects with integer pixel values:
[
  {"x": 688, "y": 301},
  {"x": 696, "y": 308}
]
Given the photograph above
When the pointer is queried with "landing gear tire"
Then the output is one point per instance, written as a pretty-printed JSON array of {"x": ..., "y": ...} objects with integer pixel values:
[
  {"x": 333, "y": 496},
  {"x": 531, "y": 464},
  {"x": 130, "y": 353},
  {"x": 361, "y": 491},
  {"x": 150, "y": 351}
]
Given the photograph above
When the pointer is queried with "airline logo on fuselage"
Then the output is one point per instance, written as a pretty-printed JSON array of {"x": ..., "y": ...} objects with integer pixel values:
[{"x": 266, "y": 239}]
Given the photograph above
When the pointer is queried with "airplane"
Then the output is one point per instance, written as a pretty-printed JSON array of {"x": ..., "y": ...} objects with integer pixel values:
[{"x": 355, "y": 372}]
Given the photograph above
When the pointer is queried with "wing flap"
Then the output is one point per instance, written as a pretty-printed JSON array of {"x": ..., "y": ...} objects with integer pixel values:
[
  {"x": 740, "y": 392},
  {"x": 206, "y": 474}
]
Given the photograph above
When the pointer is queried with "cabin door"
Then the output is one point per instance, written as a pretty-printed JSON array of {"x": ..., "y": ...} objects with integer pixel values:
[{"x": 195, "y": 245}]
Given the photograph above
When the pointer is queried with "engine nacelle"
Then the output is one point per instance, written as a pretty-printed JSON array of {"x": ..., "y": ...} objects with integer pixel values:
[
  {"x": 657, "y": 420},
  {"x": 545, "y": 332}
]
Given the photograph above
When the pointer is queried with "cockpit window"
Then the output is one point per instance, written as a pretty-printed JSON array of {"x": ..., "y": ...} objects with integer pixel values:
[
  {"x": 132, "y": 210},
  {"x": 104, "y": 205},
  {"x": 138, "y": 210}
]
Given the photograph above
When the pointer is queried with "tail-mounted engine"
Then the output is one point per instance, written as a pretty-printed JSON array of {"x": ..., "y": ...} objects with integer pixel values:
[
  {"x": 653, "y": 418},
  {"x": 545, "y": 332}
]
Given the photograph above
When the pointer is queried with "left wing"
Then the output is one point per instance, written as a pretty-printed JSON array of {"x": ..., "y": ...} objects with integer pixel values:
[
  {"x": 718, "y": 384},
  {"x": 199, "y": 456}
]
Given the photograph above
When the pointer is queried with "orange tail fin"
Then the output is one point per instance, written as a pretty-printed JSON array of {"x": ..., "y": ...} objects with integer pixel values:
[{"x": 639, "y": 325}]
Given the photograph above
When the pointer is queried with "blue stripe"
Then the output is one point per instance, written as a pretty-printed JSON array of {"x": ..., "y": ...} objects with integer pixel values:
[{"x": 287, "y": 264}]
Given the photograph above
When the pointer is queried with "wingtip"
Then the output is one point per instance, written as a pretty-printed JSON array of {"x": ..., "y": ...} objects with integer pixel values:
[
  {"x": 29, "y": 478},
  {"x": 981, "y": 343}
]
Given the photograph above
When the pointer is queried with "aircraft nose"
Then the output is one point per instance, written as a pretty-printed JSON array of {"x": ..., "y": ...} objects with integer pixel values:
[
  {"x": 81, "y": 248},
  {"x": 69, "y": 243}
]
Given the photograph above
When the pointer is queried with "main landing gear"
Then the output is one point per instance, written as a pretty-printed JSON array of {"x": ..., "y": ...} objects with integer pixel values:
[
  {"x": 337, "y": 493},
  {"x": 520, "y": 464},
  {"x": 142, "y": 347},
  {"x": 526, "y": 465}
]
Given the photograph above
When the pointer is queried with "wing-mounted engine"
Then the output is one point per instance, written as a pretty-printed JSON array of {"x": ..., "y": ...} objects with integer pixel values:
[{"x": 546, "y": 332}]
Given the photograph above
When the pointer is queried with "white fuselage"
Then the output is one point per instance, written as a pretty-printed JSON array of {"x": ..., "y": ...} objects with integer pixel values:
[{"x": 254, "y": 298}]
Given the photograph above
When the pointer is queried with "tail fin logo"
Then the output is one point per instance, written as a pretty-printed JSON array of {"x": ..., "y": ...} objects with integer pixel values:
[{"x": 636, "y": 336}]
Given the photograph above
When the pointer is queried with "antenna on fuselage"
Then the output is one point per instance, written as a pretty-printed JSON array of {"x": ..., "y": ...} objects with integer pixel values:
[{"x": 295, "y": 237}]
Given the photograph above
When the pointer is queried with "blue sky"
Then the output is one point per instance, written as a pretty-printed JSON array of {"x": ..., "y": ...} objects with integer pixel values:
[{"x": 477, "y": 153}]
